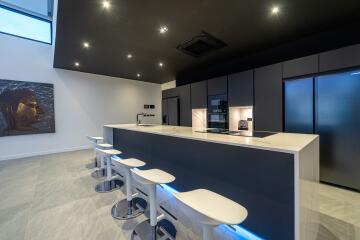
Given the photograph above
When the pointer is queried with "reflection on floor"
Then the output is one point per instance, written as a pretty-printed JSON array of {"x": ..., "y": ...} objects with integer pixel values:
[{"x": 52, "y": 197}]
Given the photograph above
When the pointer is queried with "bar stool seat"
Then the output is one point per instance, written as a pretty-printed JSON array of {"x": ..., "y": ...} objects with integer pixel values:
[
  {"x": 152, "y": 176},
  {"x": 132, "y": 206},
  {"x": 210, "y": 209},
  {"x": 111, "y": 182},
  {"x": 105, "y": 145},
  {"x": 148, "y": 230}
]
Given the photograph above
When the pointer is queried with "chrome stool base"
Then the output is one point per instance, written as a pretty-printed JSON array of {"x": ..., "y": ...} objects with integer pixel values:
[
  {"x": 99, "y": 173},
  {"x": 125, "y": 210},
  {"x": 164, "y": 230},
  {"x": 108, "y": 186}
]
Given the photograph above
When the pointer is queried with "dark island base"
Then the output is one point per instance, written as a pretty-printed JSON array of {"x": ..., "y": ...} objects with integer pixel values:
[{"x": 260, "y": 180}]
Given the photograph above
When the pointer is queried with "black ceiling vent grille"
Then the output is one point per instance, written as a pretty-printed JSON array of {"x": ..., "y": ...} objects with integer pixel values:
[{"x": 201, "y": 45}]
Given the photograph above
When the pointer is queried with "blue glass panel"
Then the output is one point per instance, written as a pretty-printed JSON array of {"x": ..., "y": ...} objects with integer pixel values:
[{"x": 18, "y": 24}]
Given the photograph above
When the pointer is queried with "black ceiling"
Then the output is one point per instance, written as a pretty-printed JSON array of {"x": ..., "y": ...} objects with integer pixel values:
[{"x": 246, "y": 26}]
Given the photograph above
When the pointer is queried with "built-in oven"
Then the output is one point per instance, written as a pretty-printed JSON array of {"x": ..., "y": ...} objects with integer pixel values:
[{"x": 218, "y": 111}]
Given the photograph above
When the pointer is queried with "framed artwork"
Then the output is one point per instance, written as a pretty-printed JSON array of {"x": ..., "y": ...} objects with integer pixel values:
[{"x": 26, "y": 108}]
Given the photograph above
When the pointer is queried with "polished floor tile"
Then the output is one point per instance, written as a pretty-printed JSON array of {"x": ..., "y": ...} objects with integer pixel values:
[{"x": 53, "y": 197}]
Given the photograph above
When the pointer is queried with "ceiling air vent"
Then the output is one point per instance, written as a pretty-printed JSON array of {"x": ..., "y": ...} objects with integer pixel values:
[{"x": 201, "y": 45}]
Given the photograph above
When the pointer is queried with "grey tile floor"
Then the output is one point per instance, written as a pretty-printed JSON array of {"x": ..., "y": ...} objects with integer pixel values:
[{"x": 52, "y": 197}]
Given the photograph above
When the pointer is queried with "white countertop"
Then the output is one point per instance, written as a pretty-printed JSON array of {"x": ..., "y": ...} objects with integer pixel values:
[{"x": 280, "y": 142}]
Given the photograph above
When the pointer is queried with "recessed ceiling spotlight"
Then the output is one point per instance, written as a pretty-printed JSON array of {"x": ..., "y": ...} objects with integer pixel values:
[
  {"x": 161, "y": 64},
  {"x": 275, "y": 10},
  {"x": 76, "y": 64},
  {"x": 138, "y": 75},
  {"x": 129, "y": 56},
  {"x": 86, "y": 44},
  {"x": 106, "y": 4},
  {"x": 163, "y": 29}
]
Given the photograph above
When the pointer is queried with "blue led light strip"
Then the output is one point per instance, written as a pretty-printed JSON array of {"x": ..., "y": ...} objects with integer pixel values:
[{"x": 236, "y": 231}]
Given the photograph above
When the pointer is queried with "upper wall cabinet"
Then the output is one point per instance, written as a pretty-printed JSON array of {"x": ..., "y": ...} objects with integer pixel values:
[
  {"x": 268, "y": 98},
  {"x": 301, "y": 66},
  {"x": 340, "y": 58},
  {"x": 217, "y": 86},
  {"x": 172, "y": 92},
  {"x": 199, "y": 95},
  {"x": 185, "y": 105},
  {"x": 241, "y": 89}
]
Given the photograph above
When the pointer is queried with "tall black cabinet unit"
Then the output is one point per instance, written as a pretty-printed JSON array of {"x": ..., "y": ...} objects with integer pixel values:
[
  {"x": 170, "y": 111},
  {"x": 268, "y": 114},
  {"x": 183, "y": 104}
]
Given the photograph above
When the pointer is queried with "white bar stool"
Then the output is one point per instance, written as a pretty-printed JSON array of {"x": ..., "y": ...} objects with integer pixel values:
[
  {"x": 210, "y": 209},
  {"x": 151, "y": 178},
  {"x": 132, "y": 206},
  {"x": 95, "y": 141},
  {"x": 111, "y": 183},
  {"x": 101, "y": 172}
]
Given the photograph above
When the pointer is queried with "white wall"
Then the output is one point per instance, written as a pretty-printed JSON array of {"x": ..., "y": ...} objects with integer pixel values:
[{"x": 83, "y": 102}]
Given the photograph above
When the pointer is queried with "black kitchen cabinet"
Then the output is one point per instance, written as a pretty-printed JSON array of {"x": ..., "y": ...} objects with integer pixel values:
[
  {"x": 199, "y": 95},
  {"x": 217, "y": 86},
  {"x": 172, "y": 92},
  {"x": 185, "y": 105},
  {"x": 170, "y": 111},
  {"x": 268, "y": 113},
  {"x": 340, "y": 58},
  {"x": 301, "y": 66},
  {"x": 241, "y": 89}
]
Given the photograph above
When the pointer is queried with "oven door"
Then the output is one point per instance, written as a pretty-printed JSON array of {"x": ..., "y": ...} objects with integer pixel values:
[{"x": 218, "y": 120}]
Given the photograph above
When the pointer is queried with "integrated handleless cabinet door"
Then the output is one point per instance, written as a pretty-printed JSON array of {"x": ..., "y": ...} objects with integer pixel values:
[
  {"x": 217, "y": 86},
  {"x": 301, "y": 66},
  {"x": 241, "y": 89},
  {"x": 164, "y": 110},
  {"x": 340, "y": 58},
  {"x": 268, "y": 114},
  {"x": 173, "y": 111},
  {"x": 185, "y": 105},
  {"x": 199, "y": 95},
  {"x": 299, "y": 105},
  {"x": 337, "y": 123}
]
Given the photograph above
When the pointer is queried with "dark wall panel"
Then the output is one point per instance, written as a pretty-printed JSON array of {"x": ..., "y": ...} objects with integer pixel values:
[{"x": 260, "y": 180}]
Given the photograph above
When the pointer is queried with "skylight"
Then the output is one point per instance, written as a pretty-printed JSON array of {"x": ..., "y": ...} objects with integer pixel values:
[{"x": 24, "y": 25}]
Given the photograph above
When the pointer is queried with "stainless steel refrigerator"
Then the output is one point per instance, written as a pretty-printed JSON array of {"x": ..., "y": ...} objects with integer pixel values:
[{"x": 329, "y": 105}]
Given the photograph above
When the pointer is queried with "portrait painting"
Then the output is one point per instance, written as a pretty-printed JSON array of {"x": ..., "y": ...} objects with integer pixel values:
[{"x": 26, "y": 108}]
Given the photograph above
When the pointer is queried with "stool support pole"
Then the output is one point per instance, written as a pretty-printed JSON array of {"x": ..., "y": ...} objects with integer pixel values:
[
  {"x": 128, "y": 191},
  {"x": 153, "y": 208},
  {"x": 108, "y": 168},
  {"x": 207, "y": 232}
]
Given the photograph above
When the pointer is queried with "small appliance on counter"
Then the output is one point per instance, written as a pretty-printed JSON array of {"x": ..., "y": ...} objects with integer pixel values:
[{"x": 241, "y": 120}]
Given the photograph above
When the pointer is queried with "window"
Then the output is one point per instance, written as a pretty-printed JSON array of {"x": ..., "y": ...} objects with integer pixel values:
[{"x": 25, "y": 25}]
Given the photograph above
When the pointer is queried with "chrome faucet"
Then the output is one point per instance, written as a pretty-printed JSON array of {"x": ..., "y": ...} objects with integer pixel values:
[{"x": 144, "y": 115}]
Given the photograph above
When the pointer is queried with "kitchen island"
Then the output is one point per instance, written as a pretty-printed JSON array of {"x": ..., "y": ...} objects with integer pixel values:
[{"x": 274, "y": 177}]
